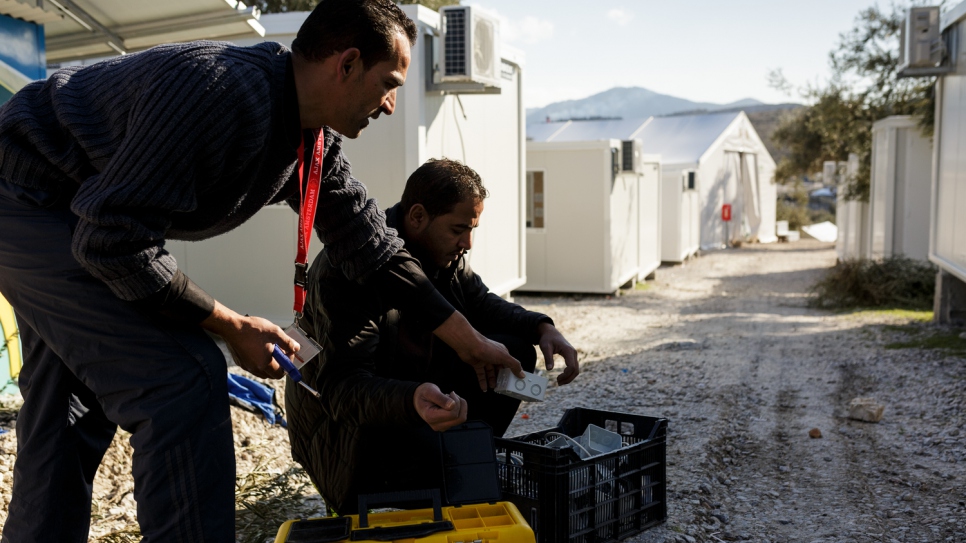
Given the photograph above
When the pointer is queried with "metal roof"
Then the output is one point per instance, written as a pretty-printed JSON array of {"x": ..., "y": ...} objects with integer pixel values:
[
  {"x": 602, "y": 129},
  {"x": 77, "y": 29},
  {"x": 684, "y": 139},
  {"x": 679, "y": 139}
]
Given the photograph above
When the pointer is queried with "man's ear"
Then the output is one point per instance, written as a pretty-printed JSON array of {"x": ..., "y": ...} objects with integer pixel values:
[
  {"x": 417, "y": 217},
  {"x": 350, "y": 61}
]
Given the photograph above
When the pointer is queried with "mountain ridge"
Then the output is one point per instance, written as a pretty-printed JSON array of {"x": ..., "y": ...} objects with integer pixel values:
[{"x": 636, "y": 102}]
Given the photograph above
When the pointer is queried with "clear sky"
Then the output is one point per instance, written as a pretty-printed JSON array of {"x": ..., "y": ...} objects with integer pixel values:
[{"x": 703, "y": 50}]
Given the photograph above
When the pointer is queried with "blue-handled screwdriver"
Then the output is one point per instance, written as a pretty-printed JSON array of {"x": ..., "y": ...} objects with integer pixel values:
[{"x": 291, "y": 370}]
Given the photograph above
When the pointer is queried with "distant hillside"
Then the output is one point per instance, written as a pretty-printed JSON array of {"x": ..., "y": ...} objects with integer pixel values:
[
  {"x": 765, "y": 123},
  {"x": 628, "y": 103},
  {"x": 637, "y": 102}
]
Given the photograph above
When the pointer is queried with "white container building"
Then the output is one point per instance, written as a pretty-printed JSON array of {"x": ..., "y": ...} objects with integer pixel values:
[
  {"x": 707, "y": 160},
  {"x": 947, "y": 247},
  {"x": 475, "y": 123},
  {"x": 899, "y": 199},
  {"x": 593, "y": 215}
]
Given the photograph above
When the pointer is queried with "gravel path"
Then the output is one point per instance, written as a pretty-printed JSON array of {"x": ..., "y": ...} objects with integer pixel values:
[{"x": 726, "y": 349}]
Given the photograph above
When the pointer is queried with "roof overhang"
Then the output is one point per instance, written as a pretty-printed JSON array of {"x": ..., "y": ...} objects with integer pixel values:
[{"x": 81, "y": 29}]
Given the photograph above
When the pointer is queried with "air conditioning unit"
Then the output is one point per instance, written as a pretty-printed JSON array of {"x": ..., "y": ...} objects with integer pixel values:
[
  {"x": 689, "y": 180},
  {"x": 921, "y": 46},
  {"x": 469, "y": 47},
  {"x": 631, "y": 156}
]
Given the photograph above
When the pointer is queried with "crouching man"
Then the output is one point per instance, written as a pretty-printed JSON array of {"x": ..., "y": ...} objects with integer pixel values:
[{"x": 386, "y": 384}]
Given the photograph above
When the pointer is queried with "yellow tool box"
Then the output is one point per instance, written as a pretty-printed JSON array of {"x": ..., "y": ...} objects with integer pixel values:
[{"x": 498, "y": 522}]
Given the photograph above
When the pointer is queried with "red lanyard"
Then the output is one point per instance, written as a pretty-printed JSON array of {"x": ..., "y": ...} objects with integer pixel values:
[{"x": 307, "y": 217}]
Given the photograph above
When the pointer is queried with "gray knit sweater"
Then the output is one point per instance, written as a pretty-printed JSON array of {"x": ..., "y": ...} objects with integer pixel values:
[{"x": 182, "y": 141}]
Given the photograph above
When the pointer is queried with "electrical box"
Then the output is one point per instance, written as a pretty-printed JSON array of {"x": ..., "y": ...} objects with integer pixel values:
[
  {"x": 469, "y": 47},
  {"x": 631, "y": 156}
]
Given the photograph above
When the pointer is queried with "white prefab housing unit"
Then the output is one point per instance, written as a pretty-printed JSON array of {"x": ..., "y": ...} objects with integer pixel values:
[
  {"x": 482, "y": 127},
  {"x": 900, "y": 189},
  {"x": 593, "y": 218},
  {"x": 707, "y": 160},
  {"x": 948, "y": 206}
]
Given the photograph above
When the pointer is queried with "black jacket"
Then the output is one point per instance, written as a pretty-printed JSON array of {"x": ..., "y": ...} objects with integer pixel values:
[{"x": 373, "y": 359}]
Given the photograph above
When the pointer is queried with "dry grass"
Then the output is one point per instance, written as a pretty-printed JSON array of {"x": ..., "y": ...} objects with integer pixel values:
[
  {"x": 264, "y": 500},
  {"x": 895, "y": 283}
]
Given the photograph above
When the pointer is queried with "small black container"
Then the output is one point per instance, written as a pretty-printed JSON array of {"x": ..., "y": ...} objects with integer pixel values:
[{"x": 604, "y": 498}]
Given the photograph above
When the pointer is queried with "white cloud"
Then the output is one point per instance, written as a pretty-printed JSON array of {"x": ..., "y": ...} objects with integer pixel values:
[
  {"x": 528, "y": 30},
  {"x": 620, "y": 16}
]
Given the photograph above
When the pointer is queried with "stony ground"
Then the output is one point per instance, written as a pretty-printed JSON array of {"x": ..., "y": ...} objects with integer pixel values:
[{"x": 726, "y": 349}]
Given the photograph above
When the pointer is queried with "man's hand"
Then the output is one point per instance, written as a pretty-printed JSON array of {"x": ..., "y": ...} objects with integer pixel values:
[
  {"x": 486, "y": 356},
  {"x": 552, "y": 342},
  {"x": 441, "y": 412},
  {"x": 250, "y": 340}
]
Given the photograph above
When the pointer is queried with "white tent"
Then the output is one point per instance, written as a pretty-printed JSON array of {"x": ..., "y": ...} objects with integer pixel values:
[
  {"x": 731, "y": 166},
  {"x": 899, "y": 197},
  {"x": 707, "y": 160},
  {"x": 593, "y": 219},
  {"x": 484, "y": 130}
]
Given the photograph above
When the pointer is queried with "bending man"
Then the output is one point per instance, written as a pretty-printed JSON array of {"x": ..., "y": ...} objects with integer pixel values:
[{"x": 385, "y": 383}]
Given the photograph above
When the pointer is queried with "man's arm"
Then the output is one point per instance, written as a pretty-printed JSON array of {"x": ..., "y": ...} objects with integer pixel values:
[{"x": 494, "y": 314}]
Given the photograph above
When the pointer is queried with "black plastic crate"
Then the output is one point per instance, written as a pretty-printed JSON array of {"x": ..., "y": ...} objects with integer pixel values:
[{"x": 604, "y": 498}]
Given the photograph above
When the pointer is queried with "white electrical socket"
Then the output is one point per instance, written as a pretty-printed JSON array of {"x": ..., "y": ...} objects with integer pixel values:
[{"x": 531, "y": 388}]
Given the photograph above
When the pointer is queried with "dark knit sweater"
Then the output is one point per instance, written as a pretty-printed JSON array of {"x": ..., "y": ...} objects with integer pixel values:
[{"x": 182, "y": 141}]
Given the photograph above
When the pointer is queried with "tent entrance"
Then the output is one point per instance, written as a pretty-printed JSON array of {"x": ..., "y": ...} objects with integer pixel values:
[{"x": 744, "y": 196}]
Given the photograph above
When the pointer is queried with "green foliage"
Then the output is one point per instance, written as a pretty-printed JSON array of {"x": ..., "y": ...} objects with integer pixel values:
[
  {"x": 896, "y": 282},
  {"x": 282, "y": 6},
  {"x": 949, "y": 343},
  {"x": 863, "y": 89},
  {"x": 432, "y": 4},
  {"x": 793, "y": 207}
]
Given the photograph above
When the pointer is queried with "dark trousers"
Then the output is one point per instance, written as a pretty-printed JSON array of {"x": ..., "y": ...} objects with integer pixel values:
[
  {"x": 93, "y": 362},
  {"x": 407, "y": 458}
]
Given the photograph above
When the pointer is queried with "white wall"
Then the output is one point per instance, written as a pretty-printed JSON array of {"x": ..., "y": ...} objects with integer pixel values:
[
  {"x": 680, "y": 214},
  {"x": 649, "y": 218},
  {"x": 948, "y": 229},
  {"x": 852, "y": 218},
  {"x": 483, "y": 131},
  {"x": 899, "y": 197},
  {"x": 573, "y": 252}
]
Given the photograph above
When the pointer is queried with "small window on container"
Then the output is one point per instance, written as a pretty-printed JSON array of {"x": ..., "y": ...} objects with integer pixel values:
[{"x": 534, "y": 199}]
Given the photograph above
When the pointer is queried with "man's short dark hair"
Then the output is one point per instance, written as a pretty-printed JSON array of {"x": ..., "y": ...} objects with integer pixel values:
[
  {"x": 368, "y": 25},
  {"x": 440, "y": 184}
]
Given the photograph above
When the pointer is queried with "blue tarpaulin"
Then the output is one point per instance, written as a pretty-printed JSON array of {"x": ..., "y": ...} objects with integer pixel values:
[{"x": 255, "y": 397}]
